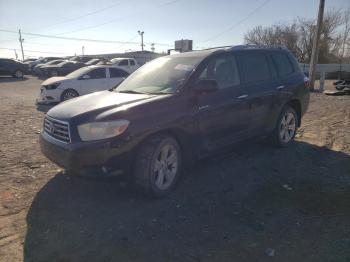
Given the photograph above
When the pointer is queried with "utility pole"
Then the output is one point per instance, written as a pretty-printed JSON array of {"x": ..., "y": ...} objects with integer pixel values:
[
  {"x": 82, "y": 50},
  {"x": 21, "y": 41},
  {"x": 141, "y": 34},
  {"x": 316, "y": 45},
  {"x": 15, "y": 54},
  {"x": 152, "y": 47}
]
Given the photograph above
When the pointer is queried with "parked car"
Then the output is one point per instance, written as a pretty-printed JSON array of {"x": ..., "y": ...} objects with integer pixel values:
[
  {"x": 12, "y": 68},
  {"x": 81, "y": 59},
  {"x": 37, "y": 70},
  {"x": 26, "y": 61},
  {"x": 128, "y": 64},
  {"x": 176, "y": 109},
  {"x": 83, "y": 81},
  {"x": 62, "y": 68},
  {"x": 93, "y": 61},
  {"x": 41, "y": 61}
]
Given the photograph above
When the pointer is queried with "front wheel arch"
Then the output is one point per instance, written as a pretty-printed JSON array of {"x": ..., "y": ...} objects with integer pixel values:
[{"x": 66, "y": 91}]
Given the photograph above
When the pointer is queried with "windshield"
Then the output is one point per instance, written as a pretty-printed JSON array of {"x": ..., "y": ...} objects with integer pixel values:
[
  {"x": 79, "y": 72},
  {"x": 162, "y": 75},
  {"x": 54, "y": 62},
  {"x": 114, "y": 60},
  {"x": 92, "y": 61},
  {"x": 62, "y": 63}
]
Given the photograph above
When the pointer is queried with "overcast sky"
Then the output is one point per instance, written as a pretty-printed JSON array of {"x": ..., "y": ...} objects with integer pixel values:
[{"x": 207, "y": 22}]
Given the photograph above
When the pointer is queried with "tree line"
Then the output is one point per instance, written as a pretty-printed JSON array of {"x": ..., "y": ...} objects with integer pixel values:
[{"x": 298, "y": 35}]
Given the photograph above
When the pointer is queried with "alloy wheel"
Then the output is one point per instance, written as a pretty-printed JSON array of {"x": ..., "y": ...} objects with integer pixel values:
[
  {"x": 287, "y": 127},
  {"x": 165, "y": 166}
]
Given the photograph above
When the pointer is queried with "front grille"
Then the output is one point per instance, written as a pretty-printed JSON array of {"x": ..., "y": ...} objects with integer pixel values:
[{"x": 57, "y": 129}]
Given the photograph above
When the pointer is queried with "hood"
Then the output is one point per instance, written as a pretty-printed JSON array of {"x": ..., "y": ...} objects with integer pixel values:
[
  {"x": 55, "y": 79},
  {"x": 96, "y": 102}
]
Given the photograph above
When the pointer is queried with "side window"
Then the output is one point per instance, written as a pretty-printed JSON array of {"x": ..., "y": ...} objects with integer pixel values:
[
  {"x": 132, "y": 62},
  {"x": 97, "y": 73},
  {"x": 124, "y": 62},
  {"x": 256, "y": 67},
  {"x": 283, "y": 64},
  {"x": 222, "y": 69},
  {"x": 115, "y": 72}
]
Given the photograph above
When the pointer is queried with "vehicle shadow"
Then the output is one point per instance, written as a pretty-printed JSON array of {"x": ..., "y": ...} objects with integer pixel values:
[
  {"x": 229, "y": 207},
  {"x": 6, "y": 79},
  {"x": 44, "y": 108}
]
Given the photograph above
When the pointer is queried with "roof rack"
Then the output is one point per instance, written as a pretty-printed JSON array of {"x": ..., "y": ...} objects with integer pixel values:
[{"x": 238, "y": 47}]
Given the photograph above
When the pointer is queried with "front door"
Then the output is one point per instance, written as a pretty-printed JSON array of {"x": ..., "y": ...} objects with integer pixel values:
[
  {"x": 224, "y": 115},
  {"x": 93, "y": 81}
]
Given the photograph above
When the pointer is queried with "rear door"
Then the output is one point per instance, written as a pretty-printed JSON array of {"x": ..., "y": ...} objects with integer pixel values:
[
  {"x": 224, "y": 115},
  {"x": 3, "y": 67},
  {"x": 93, "y": 81},
  {"x": 262, "y": 84},
  {"x": 116, "y": 76}
]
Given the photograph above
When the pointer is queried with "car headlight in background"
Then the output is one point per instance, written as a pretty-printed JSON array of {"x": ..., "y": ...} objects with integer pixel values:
[
  {"x": 52, "y": 86},
  {"x": 102, "y": 130}
]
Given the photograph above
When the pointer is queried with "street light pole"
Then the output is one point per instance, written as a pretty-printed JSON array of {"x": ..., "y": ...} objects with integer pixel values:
[
  {"x": 141, "y": 34},
  {"x": 316, "y": 45}
]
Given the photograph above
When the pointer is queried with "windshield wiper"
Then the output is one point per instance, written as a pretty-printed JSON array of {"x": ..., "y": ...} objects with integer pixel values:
[{"x": 130, "y": 92}]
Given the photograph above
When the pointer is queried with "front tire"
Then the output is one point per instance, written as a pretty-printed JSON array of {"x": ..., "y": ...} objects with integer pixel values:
[
  {"x": 54, "y": 73},
  {"x": 68, "y": 94},
  {"x": 157, "y": 166},
  {"x": 286, "y": 127}
]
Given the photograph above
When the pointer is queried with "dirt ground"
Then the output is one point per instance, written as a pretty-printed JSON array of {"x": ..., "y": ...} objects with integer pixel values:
[{"x": 253, "y": 203}]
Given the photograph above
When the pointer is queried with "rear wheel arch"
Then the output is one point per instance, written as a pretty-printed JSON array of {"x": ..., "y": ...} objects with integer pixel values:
[{"x": 296, "y": 105}]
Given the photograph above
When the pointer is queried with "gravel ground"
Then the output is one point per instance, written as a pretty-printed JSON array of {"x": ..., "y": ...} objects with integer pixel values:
[{"x": 251, "y": 203}]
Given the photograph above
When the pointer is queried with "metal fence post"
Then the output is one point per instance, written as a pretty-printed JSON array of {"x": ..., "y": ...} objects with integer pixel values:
[{"x": 322, "y": 80}]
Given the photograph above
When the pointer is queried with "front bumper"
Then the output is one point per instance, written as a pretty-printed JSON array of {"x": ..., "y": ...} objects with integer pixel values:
[{"x": 96, "y": 158}]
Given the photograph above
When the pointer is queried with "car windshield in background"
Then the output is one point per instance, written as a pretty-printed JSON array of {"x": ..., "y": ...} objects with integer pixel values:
[
  {"x": 92, "y": 61},
  {"x": 62, "y": 63},
  {"x": 162, "y": 75},
  {"x": 79, "y": 72}
]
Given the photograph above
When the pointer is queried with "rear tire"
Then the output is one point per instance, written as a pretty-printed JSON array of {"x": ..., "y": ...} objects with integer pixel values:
[
  {"x": 68, "y": 94},
  {"x": 18, "y": 74},
  {"x": 286, "y": 127},
  {"x": 157, "y": 166},
  {"x": 54, "y": 73},
  {"x": 339, "y": 88}
]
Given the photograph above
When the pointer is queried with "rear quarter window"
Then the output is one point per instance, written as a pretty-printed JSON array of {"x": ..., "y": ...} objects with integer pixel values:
[
  {"x": 283, "y": 64},
  {"x": 256, "y": 67}
]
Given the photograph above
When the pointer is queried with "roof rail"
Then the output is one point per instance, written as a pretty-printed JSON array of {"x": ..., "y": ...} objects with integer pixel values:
[
  {"x": 238, "y": 47},
  {"x": 217, "y": 47}
]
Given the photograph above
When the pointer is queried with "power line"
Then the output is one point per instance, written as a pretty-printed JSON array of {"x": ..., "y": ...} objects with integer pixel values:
[
  {"x": 238, "y": 23},
  {"x": 116, "y": 19},
  {"x": 78, "y": 39},
  {"x": 82, "y": 16},
  {"x": 32, "y": 51}
]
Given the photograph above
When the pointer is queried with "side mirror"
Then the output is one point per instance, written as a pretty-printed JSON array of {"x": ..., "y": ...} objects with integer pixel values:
[
  {"x": 206, "y": 86},
  {"x": 85, "y": 77}
]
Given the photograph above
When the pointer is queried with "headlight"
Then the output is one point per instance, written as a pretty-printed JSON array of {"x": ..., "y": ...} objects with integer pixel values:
[
  {"x": 52, "y": 86},
  {"x": 102, "y": 130}
]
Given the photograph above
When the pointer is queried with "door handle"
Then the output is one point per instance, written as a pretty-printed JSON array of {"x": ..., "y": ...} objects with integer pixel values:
[
  {"x": 280, "y": 87},
  {"x": 243, "y": 96},
  {"x": 203, "y": 107}
]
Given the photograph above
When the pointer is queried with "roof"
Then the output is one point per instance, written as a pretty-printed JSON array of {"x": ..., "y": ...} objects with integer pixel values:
[{"x": 206, "y": 52}]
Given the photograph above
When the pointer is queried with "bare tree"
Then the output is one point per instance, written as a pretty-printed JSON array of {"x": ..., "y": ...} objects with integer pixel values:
[{"x": 297, "y": 36}]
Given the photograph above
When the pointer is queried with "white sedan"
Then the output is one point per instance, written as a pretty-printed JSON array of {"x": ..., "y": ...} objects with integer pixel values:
[{"x": 83, "y": 81}]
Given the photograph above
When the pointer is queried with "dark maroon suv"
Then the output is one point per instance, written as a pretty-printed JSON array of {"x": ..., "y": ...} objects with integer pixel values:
[{"x": 176, "y": 109}]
